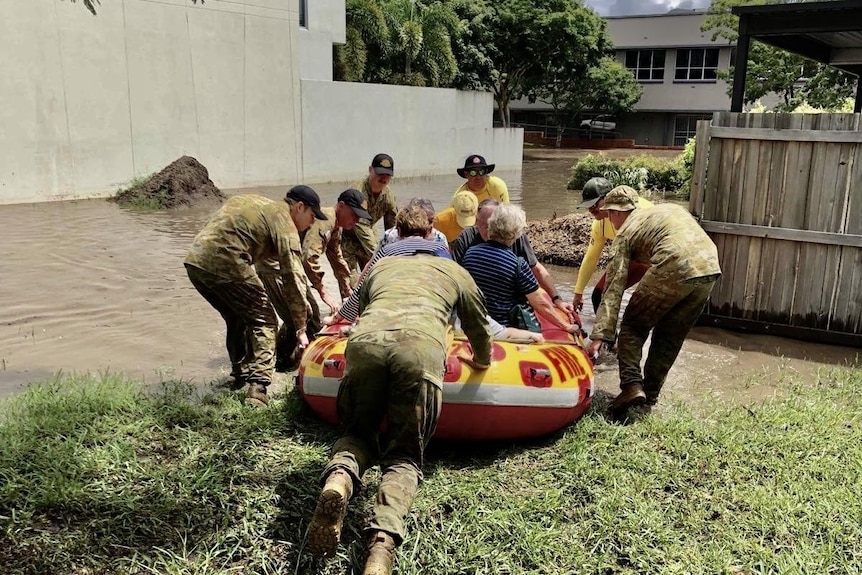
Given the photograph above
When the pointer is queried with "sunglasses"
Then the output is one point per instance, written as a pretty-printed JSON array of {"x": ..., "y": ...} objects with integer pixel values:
[{"x": 474, "y": 173}]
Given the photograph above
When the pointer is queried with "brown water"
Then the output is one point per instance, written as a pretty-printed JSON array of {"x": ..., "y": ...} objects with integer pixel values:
[{"x": 87, "y": 286}]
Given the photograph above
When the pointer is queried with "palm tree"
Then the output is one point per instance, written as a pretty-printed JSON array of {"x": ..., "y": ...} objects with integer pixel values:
[
  {"x": 421, "y": 42},
  {"x": 367, "y": 37}
]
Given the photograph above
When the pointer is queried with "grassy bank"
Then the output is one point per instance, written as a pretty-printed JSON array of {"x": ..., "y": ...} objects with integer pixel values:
[{"x": 99, "y": 478}]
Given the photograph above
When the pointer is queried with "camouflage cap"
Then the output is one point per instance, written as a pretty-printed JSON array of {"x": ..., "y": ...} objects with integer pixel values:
[{"x": 621, "y": 199}]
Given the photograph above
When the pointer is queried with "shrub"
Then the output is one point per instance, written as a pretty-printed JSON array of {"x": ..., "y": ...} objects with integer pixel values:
[
  {"x": 643, "y": 173},
  {"x": 686, "y": 161}
]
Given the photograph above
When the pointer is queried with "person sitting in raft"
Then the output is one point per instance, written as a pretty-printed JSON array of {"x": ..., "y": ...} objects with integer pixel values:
[
  {"x": 504, "y": 278},
  {"x": 391, "y": 235},
  {"x": 413, "y": 225}
]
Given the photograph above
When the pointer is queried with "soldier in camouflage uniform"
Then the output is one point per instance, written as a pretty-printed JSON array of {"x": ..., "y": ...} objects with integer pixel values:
[
  {"x": 395, "y": 357},
  {"x": 246, "y": 230},
  {"x": 669, "y": 298},
  {"x": 323, "y": 237},
  {"x": 360, "y": 243}
]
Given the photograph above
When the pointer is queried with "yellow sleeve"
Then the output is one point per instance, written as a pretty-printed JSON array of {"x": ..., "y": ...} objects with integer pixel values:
[
  {"x": 446, "y": 223},
  {"x": 500, "y": 190},
  {"x": 591, "y": 257}
]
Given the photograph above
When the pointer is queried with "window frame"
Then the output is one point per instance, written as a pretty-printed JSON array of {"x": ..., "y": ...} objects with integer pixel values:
[
  {"x": 690, "y": 127},
  {"x": 303, "y": 14},
  {"x": 693, "y": 68},
  {"x": 652, "y": 69}
]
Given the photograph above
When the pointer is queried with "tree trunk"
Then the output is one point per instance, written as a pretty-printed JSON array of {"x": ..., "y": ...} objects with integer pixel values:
[
  {"x": 559, "y": 143},
  {"x": 502, "y": 108}
]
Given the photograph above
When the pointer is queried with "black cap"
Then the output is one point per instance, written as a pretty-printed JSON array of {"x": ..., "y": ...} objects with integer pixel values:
[
  {"x": 383, "y": 164},
  {"x": 594, "y": 190},
  {"x": 354, "y": 199},
  {"x": 308, "y": 197},
  {"x": 475, "y": 162}
]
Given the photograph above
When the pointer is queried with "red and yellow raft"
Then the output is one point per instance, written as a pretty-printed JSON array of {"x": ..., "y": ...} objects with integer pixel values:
[{"x": 530, "y": 389}]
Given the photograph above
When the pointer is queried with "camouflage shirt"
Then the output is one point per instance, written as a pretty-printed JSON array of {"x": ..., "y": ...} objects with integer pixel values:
[
  {"x": 382, "y": 205},
  {"x": 418, "y": 293},
  {"x": 247, "y": 230},
  {"x": 323, "y": 237},
  {"x": 665, "y": 237}
]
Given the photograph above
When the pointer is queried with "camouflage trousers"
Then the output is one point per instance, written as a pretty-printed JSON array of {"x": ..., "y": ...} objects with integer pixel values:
[
  {"x": 668, "y": 308},
  {"x": 394, "y": 375},
  {"x": 250, "y": 321},
  {"x": 357, "y": 246},
  {"x": 286, "y": 340}
]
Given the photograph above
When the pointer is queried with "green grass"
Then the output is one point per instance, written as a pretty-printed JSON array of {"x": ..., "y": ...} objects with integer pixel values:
[
  {"x": 98, "y": 477},
  {"x": 130, "y": 196}
]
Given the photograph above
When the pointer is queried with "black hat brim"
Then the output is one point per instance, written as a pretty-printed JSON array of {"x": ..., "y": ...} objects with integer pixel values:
[
  {"x": 588, "y": 203},
  {"x": 363, "y": 214},
  {"x": 381, "y": 171},
  {"x": 317, "y": 213}
]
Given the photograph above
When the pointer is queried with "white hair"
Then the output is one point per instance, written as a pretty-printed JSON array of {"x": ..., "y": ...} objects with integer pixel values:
[{"x": 507, "y": 224}]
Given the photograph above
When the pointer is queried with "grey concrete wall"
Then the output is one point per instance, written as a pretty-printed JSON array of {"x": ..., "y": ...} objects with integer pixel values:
[
  {"x": 326, "y": 26},
  {"x": 89, "y": 102},
  {"x": 426, "y": 130}
]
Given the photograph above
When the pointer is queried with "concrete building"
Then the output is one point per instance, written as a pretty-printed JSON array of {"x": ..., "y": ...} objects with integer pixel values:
[
  {"x": 245, "y": 86},
  {"x": 676, "y": 64}
]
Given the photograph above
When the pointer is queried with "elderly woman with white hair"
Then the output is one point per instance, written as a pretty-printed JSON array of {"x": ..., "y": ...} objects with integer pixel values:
[{"x": 504, "y": 278}]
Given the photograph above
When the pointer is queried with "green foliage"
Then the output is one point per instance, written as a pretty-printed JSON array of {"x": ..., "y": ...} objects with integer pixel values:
[
  {"x": 99, "y": 477},
  {"x": 794, "y": 79},
  {"x": 130, "y": 197},
  {"x": 644, "y": 173}
]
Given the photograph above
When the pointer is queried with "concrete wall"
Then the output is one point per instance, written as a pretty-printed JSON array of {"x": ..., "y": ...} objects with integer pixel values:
[
  {"x": 666, "y": 31},
  {"x": 89, "y": 102},
  {"x": 426, "y": 130}
]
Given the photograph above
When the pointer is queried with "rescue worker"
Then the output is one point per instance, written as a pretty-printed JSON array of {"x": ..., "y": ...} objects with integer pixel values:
[
  {"x": 324, "y": 236},
  {"x": 246, "y": 230},
  {"x": 395, "y": 356},
  {"x": 358, "y": 245},
  {"x": 484, "y": 186},
  {"x": 601, "y": 232},
  {"x": 667, "y": 301}
]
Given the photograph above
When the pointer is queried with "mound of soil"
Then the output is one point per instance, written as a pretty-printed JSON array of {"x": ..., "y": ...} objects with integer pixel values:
[
  {"x": 563, "y": 241},
  {"x": 183, "y": 183}
]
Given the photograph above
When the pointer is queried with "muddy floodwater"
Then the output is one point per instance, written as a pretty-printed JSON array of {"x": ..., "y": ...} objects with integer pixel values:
[{"x": 88, "y": 286}]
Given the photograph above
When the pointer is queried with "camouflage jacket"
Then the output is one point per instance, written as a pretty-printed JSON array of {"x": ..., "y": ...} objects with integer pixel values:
[
  {"x": 248, "y": 230},
  {"x": 382, "y": 205},
  {"x": 665, "y": 237},
  {"x": 419, "y": 293},
  {"x": 323, "y": 237}
]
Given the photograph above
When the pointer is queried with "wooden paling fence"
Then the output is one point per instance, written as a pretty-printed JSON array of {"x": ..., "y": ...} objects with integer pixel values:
[{"x": 781, "y": 196}]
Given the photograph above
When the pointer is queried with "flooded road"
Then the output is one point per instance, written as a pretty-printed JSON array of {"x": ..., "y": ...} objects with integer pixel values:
[{"x": 87, "y": 286}]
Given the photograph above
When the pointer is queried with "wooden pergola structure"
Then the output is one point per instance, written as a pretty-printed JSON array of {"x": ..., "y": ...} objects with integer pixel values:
[{"x": 827, "y": 32}]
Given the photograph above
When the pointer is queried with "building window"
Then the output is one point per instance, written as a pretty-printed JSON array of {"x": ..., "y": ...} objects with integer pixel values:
[
  {"x": 696, "y": 64},
  {"x": 685, "y": 127},
  {"x": 646, "y": 65},
  {"x": 303, "y": 13}
]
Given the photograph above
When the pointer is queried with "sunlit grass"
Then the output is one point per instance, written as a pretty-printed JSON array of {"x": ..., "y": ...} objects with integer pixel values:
[{"x": 98, "y": 477}]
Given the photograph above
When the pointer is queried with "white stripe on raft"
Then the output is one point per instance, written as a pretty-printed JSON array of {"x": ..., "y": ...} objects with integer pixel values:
[{"x": 475, "y": 393}]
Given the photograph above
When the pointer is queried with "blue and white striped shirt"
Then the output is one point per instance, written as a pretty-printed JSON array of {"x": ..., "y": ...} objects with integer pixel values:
[{"x": 504, "y": 278}]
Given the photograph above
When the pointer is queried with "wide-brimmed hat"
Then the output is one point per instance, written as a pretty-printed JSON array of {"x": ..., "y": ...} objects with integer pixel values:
[
  {"x": 594, "y": 190},
  {"x": 354, "y": 199},
  {"x": 466, "y": 205},
  {"x": 621, "y": 199},
  {"x": 308, "y": 197},
  {"x": 475, "y": 162}
]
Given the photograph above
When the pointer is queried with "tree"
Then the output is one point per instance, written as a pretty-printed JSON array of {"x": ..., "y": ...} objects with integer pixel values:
[
  {"x": 522, "y": 40},
  {"x": 794, "y": 79},
  {"x": 399, "y": 42},
  {"x": 608, "y": 87}
]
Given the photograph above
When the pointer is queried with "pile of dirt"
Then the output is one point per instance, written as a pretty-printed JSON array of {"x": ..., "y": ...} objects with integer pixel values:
[
  {"x": 183, "y": 183},
  {"x": 563, "y": 241}
]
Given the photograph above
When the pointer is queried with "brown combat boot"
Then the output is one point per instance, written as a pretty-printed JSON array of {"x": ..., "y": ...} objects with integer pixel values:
[
  {"x": 631, "y": 395},
  {"x": 381, "y": 554},
  {"x": 256, "y": 395},
  {"x": 325, "y": 529}
]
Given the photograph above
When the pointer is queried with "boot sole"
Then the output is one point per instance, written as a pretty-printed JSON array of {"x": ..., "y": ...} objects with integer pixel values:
[{"x": 325, "y": 529}]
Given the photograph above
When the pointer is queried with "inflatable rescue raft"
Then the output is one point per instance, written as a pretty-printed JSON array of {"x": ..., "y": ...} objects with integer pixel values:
[{"x": 530, "y": 389}]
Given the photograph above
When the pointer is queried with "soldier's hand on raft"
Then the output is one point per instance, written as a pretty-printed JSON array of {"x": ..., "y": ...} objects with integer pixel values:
[
  {"x": 566, "y": 307},
  {"x": 330, "y": 301},
  {"x": 593, "y": 350},
  {"x": 302, "y": 340},
  {"x": 578, "y": 301},
  {"x": 330, "y": 319},
  {"x": 468, "y": 360}
]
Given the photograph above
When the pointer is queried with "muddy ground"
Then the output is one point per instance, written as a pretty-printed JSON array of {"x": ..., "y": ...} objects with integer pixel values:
[{"x": 184, "y": 183}]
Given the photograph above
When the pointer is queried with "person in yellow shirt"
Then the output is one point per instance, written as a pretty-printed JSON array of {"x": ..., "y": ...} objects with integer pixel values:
[
  {"x": 462, "y": 214},
  {"x": 485, "y": 187},
  {"x": 602, "y": 232}
]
